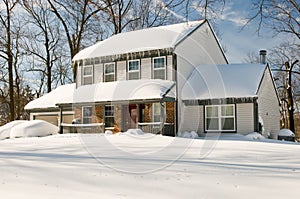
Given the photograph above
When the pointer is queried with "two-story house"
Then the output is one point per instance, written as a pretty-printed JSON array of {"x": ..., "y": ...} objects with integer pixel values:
[{"x": 165, "y": 80}]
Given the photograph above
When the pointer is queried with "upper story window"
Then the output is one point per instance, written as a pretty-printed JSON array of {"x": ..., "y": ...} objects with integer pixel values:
[
  {"x": 87, "y": 75},
  {"x": 109, "y": 72},
  {"x": 159, "y": 68},
  {"x": 220, "y": 118},
  {"x": 133, "y": 69}
]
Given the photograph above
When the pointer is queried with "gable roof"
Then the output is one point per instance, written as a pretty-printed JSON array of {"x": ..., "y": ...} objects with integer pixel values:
[
  {"x": 223, "y": 81},
  {"x": 161, "y": 37},
  {"x": 62, "y": 94}
]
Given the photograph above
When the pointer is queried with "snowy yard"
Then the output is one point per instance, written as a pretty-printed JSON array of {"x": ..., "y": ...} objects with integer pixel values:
[{"x": 147, "y": 166}]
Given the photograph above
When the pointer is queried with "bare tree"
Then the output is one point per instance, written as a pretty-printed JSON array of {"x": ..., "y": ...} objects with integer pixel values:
[
  {"x": 76, "y": 18},
  {"x": 280, "y": 16},
  {"x": 43, "y": 39},
  {"x": 6, "y": 51}
]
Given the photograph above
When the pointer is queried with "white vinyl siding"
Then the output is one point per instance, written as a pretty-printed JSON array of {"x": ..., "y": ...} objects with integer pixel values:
[
  {"x": 121, "y": 70},
  {"x": 133, "y": 69},
  {"x": 146, "y": 68},
  {"x": 87, "y": 75},
  {"x": 98, "y": 70},
  {"x": 192, "y": 119},
  {"x": 220, "y": 118},
  {"x": 109, "y": 72},
  {"x": 268, "y": 105},
  {"x": 159, "y": 68},
  {"x": 245, "y": 118}
]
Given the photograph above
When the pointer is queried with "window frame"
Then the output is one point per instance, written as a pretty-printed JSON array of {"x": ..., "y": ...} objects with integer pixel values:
[
  {"x": 111, "y": 115},
  {"x": 220, "y": 117},
  {"x": 161, "y": 68},
  {"x": 87, "y": 117},
  {"x": 112, "y": 73},
  {"x": 159, "y": 110},
  {"x": 84, "y": 76},
  {"x": 134, "y": 71}
]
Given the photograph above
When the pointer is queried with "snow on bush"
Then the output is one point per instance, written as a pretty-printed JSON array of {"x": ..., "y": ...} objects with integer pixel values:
[
  {"x": 34, "y": 128},
  {"x": 186, "y": 134},
  {"x": 286, "y": 132},
  {"x": 255, "y": 136},
  {"x": 134, "y": 132},
  {"x": 5, "y": 129},
  {"x": 108, "y": 132}
]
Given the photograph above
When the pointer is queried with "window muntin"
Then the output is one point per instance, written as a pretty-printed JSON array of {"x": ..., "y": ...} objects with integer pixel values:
[
  {"x": 109, "y": 116},
  {"x": 87, "y": 114},
  {"x": 159, "y": 68},
  {"x": 133, "y": 69},
  {"x": 220, "y": 118},
  {"x": 87, "y": 75},
  {"x": 109, "y": 72}
]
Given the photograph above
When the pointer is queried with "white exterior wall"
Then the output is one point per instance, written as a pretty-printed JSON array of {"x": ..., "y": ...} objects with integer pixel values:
[
  {"x": 192, "y": 119},
  {"x": 121, "y": 70},
  {"x": 146, "y": 68},
  {"x": 245, "y": 118},
  {"x": 79, "y": 76},
  {"x": 199, "y": 48},
  {"x": 170, "y": 70},
  {"x": 98, "y": 73},
  {"x": 268, "y": 105}
]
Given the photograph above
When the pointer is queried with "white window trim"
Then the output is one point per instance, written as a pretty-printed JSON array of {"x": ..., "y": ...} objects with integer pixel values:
[
  {"x": 90, "y": 117},
  {"x": 220, "y": 118},
  {"x": 134, "y": 71},
  {"x": 113, "y": 73},
  {"x": 87, "y": 76},
  {"x": 165, "y": 66}
]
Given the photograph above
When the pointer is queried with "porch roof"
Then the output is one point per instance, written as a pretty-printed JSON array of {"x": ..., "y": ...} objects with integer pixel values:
[{"x": 133, "y": 90}]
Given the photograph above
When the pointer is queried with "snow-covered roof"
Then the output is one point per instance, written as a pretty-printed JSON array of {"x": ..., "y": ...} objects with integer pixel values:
[
  {"x": 223, "y": 81},
  {"x": 62, "y": 94},
  {"x": 124, "y": 91},
  {"x": 141, "y": 40}
]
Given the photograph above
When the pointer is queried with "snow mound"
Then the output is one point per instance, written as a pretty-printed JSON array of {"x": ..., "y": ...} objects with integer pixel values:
[
  {"x": 5, "y": 129},
  {"x": 186, "y": 134},
  {"x": 108, "y": 132},
  {"x": 255, "y": 136},
  {"x": 134, "y": 132},
  {"x": 34, "y": 128},
  {"x": 286, "y": 132}
]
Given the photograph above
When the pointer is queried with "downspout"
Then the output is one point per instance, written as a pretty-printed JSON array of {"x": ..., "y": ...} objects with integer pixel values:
[{"x": 61, "y": 128}]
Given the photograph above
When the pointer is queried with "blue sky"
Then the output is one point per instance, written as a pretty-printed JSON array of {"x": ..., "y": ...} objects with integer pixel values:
[{"x": 239, "y": 43}]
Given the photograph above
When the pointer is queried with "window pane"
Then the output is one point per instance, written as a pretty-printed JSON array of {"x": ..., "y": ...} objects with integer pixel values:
[
  {"x": 212, "y": 111},
  {"x": 159, "y": 62},
  {"x": 159, "y": 74},
  {"x": 109, "y": 121},
  {"x": 133, "y": 65},
  {"x": 87, "y": 80},
  {"x": 109, "y": 110},
  {"x": 109, "y": 78},
  {"x": 87, "y": 70},
  {"x": 212, "y": 124},
  {"x": 109, "y": 68},
  {"x": 227, "y": 111},
  {"x": 87, "y": 120},
  {"x": 132, "y": 76},
  {"x": 227, "y": 124},
  {"x": 87, "y": 111}
]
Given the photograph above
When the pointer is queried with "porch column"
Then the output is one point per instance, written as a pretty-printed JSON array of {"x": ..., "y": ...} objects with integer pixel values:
[
  {"x": 162, "y": 117},
  {"x": 61, "y": 128}
]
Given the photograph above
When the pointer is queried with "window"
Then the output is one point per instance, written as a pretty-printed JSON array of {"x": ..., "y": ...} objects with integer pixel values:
[
  {"x": 87, "y": 114},
  {"x": 109, "y": 72},
  {"x": 133, "y": 69},
  {"x": 87, "y": 75},
  {"x": 109, "y": 116},
  {"x": 159, "y": 68},
  {"x": 220, "y": 118}
]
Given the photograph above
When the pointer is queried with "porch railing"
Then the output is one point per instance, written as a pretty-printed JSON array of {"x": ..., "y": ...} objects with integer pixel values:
[{"x": 155, "y": 128}]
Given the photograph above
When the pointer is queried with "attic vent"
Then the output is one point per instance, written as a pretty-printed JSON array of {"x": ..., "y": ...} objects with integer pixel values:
[{"x": 263, "y": 56}]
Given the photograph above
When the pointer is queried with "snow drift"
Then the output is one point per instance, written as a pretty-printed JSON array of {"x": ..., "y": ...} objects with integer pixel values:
[
  {"x": 5, "y": 129},
  {"x": 34, "y": 128}
]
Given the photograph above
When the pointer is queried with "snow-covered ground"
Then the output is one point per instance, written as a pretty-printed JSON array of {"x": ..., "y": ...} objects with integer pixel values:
[{"x": 137, "y": 165}]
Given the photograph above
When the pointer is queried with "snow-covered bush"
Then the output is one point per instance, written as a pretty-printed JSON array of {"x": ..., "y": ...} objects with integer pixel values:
[
  {"x": 134, "y": 132},
  {"x": 255, "y": 136},
  {"x": 286, "y": 132},
  {"x": 187, "y": 134}
]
